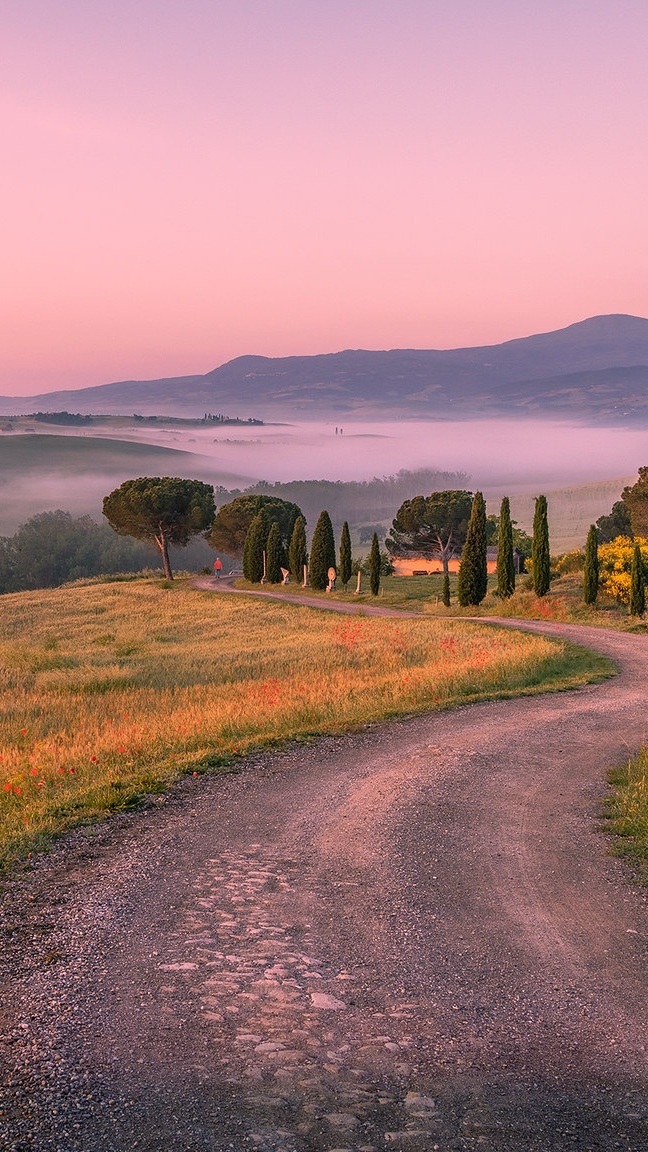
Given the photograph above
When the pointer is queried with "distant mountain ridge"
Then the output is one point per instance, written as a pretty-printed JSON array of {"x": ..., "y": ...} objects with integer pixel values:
[{"x": 595, "y": 370}]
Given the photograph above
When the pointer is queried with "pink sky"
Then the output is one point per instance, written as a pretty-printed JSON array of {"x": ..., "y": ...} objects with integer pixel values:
[{"x": 187, "y": 182}]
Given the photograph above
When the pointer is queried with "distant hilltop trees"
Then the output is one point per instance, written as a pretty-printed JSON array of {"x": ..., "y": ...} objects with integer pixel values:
[
  {"x": 218, "y": 418},
  {"x": 208, "y": 418}
]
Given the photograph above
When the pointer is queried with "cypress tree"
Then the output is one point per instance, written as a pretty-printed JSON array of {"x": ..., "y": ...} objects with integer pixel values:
[
  {"x": 637, "y": 584},
  {"x": 445, "y": 595},
  {"x": 345, "y": 555},
  {"x": 322, "y": 554},
  {"x": 298, "y": 552},
  {"x": 540, "y": 557},
  {"x": 274, "y": 554},
  {"x": 473, "y": 573},
  {"x": 374, "y": 566},
  {"x": 255, "y": 543},
  {"x": 505, "y": 561},
  {"x": 591, "y": 573}
]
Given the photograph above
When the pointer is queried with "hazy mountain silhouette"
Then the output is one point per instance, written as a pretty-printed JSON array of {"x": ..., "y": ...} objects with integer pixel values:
[{"x": 596, "y": 370}]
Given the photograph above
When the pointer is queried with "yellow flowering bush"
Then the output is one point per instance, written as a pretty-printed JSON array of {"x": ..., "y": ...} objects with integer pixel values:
[{"x": 615, "y": 562}]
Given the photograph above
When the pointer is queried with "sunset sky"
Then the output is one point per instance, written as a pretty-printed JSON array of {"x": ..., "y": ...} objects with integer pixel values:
[{"x": 185, "y": 182}]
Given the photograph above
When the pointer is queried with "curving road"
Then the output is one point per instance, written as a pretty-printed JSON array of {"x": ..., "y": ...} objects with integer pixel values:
[{"x": 412, "y": 938}]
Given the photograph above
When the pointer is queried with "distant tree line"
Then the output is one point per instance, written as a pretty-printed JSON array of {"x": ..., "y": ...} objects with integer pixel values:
[
  {"x": 71, "y": 418},
  {"x": 53, "y": 548},
  {"x": 218, "y": 418},
  {"x": 360, "y": 502}
]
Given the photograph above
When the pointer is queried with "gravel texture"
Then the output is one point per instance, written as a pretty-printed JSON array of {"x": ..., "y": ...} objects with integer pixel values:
[{"x": 412, "y": 938}]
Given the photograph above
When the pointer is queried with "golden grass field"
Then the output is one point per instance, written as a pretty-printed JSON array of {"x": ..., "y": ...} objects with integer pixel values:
[
  {"x": 563, "y": 603},
  {"x": 113, "y": 689}
]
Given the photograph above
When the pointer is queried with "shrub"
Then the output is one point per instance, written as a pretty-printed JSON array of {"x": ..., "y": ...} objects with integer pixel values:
[{"x": 615, "y": 564}]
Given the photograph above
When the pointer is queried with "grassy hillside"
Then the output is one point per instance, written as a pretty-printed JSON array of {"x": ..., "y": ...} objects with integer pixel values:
[
  {"x": 40, "y": 473},
  {"x": 112, "y": 689},
  {"x": 77, "y": 453},
  {"x": 571, "y": 510}
]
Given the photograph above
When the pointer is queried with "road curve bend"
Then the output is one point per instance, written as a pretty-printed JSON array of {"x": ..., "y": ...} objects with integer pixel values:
[{"x": 411, "y": 938}]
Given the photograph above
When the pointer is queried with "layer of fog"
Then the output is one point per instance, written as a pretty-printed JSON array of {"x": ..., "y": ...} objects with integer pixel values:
[
  {"x": 522, "y": 453},
  {"x": 515, "y": 458}
]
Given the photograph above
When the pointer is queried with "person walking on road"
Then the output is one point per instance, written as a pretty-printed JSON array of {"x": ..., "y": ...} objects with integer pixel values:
[{"x": 218, "y": 567}]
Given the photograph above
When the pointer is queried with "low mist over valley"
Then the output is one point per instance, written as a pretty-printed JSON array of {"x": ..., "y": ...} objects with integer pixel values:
[{"x": 318, "y": 467}]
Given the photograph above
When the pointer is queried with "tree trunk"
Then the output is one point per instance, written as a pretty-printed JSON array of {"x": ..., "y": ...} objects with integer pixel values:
[{"x": 161, "y": 542}]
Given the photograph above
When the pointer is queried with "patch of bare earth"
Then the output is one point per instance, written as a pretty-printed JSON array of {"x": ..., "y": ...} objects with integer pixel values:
[{"x": 408, "y": 939}]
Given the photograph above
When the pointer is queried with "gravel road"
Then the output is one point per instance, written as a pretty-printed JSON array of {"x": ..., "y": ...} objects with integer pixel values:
[{"x": 412, "y": 938}]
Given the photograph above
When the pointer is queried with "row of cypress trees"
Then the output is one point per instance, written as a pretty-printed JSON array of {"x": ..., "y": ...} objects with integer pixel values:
[
  {"x": 265, "y": 536},
  {"x": 473, "y": 571}
]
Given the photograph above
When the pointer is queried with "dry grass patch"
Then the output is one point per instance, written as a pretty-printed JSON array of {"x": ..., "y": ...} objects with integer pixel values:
[{"x": 111, "y": 690}]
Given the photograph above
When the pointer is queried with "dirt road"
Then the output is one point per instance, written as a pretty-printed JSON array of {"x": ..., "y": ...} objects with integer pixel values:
[{"x": 411, "y": 939}]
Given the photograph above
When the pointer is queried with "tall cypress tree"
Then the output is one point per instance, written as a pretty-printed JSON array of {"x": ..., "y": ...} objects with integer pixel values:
[
  {"x": 322, "y": 553},
  {"x": 540, "y": 557},
  {"x": 505, "y": 561},
  {"x": 345, "y": 555},
  {"x": 637, "y": 584},
  {"x": 473, "y": 573},
  {"x": 374, "y": 566},
  {"x": 274, "y": 554},
  {"x": 591, "y": 573},
  {"x": 298, "y": 551},
  {"x": 255, "y": 543}
]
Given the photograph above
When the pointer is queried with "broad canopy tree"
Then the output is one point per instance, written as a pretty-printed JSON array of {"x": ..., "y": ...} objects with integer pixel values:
[
  {"x": 233, "y": 520},
  {"x": 432, "y": 526},
  {"x": 635, "y": 499},
  {"x": 161, "y": 509},
  {"x": 616, "y": 523}
]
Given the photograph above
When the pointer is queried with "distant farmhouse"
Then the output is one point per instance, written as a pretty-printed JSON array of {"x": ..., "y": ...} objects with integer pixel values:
[{"x": 423, "y": 566}]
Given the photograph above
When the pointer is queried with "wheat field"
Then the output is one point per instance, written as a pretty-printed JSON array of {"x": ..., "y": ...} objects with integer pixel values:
[{"x": 110, "y": 690}]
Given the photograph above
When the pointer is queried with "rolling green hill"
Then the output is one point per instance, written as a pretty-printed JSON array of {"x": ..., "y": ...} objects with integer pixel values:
[
  {"x": 72, "y": 455},
  {"x": 40, "y": 473}
]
